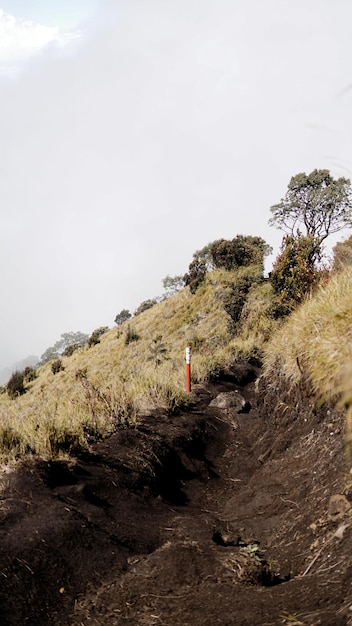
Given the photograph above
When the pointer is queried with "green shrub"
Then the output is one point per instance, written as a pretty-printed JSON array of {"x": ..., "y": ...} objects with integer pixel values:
[
  {"x": 29, "y": 374},
  {"x": 122, "y": 317},
  {"x": 157, "y": 351},
  {"x": 96, "y": 334},
  {"x": 69, "y": 350},
  {"x": 131, "y": 335},
  {"x": 237, "y": 296},
  {"x": 15, "y": 386},
  {"x": 57, "y": 366},
  {"x": 241, "y": 251},
  {"x": 196, "y": 274},
  {"x": 294, "y": 275},
  {"x": 144, "y": 306}
]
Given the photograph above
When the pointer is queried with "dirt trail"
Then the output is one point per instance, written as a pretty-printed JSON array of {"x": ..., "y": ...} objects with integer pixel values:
[{"x": 203, "y": 518}]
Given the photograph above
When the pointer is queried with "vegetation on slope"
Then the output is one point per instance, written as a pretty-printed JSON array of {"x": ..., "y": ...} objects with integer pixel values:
[
  {"x": 314, "y": 348},
  {"x": 227, "y": 312},
  {"x": 138, "y": 366}
]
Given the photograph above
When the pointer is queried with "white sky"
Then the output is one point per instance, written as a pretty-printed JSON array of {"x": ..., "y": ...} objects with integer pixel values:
[{"x": 134, "y": 132}]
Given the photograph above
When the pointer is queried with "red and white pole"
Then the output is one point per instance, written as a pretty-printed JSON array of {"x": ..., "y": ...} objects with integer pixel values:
[{"x": 188, "y": 369}]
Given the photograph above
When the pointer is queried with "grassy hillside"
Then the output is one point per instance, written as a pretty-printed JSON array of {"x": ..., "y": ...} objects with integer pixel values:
[
  {"x": 138, "y": 366},
  {"x": 314, "y": 346}
]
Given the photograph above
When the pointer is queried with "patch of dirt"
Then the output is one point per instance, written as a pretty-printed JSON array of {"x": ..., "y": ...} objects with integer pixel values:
[{"x": 211, "y": 516}]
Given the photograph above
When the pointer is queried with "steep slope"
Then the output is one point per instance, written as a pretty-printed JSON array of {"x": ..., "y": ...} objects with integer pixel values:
[
  {"x": 135, "y": 367},
  {"x": 211, "y": 516}
]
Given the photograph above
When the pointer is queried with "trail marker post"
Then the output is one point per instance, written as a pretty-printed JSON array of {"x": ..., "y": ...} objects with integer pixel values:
[{"x": 188, "y": 369}]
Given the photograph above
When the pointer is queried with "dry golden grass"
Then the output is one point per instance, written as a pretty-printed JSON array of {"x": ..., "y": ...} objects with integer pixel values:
[
  {"x": 112, "y": 383},
  {"x": 316, "y": 342}
]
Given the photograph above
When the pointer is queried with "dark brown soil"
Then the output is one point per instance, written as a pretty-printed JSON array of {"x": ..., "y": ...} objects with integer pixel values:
[{"x": 203, "y": 518}]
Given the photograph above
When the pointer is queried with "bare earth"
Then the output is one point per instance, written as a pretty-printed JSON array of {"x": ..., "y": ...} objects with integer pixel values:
[{"x": 203, "y": 518}]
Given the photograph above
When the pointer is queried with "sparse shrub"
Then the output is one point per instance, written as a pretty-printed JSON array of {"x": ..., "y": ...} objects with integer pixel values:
[
  {"x": 236, "y": 297},
  {"x": 15, "y": 386},
  {"x": 158, "y": 351},
  {"x": 131, "y": 335},
  {"x": 30, "y": 374},
  {"x": 81, "y": 373},
  {"x": 196, "y": 274},
  {"x": 294, "y": 275},
  {"x": 57, "y": 366},
  {"x": 94, "y": 339},
  {"x": 71, "y": 349},
  {"x": 144, "y": 306},
  {"x": 122, "y": 317}
]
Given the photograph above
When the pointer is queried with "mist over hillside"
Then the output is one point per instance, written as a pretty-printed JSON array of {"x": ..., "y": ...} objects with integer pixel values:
[{"x": 6, "y": 372}]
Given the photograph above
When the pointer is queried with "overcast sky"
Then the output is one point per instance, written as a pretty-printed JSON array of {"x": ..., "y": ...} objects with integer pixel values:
[{"x": 134, "y": 132}]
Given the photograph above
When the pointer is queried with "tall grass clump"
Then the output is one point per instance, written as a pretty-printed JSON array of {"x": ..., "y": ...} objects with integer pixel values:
[
  {"x": 256, "y": 325},
  {"x": 315, "y": 345}
]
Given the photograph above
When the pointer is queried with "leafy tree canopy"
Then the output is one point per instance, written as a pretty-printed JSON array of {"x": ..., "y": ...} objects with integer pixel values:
[
  {"x": 66, "y": 340},
  {"x": 195, "y": 277},
  {"x": 316, "y": 203},
  {"x": 172, "y": 284},
  {"x": 122, "y": 317},
  {"x": 49, "y": 354},
  {"x": 205, "y": 256}
]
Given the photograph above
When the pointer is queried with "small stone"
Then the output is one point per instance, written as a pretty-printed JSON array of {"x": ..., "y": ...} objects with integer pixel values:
[
  {"x": 231, "y": 400},
  {"x": 338, "y": 507},
  {"x": 341, "y": 531}
]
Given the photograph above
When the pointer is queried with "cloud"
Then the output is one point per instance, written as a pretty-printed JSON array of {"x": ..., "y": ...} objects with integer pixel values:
[
  {"x": 171, "y": 124},
  {"x": 22, "y": 40}
]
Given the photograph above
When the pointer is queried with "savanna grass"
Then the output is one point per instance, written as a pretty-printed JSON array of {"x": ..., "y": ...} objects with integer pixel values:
[
  {"x": 315, "y": 344},
  {"x": 111, "y": 384}
]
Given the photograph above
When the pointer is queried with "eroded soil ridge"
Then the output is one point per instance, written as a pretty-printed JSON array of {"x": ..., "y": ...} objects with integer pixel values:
[{"x": 230, "y": 515}]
